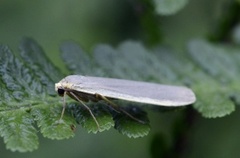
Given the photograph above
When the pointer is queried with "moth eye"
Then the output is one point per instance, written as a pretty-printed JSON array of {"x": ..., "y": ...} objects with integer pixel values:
[{"x": 60, "y": 92}]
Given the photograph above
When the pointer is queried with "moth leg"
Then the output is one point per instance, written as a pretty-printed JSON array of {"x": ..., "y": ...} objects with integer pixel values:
[
  {"x": 64, "y": 105},
  {"x": 90, "y": 111},
  {"x": 116, "y": 107}
]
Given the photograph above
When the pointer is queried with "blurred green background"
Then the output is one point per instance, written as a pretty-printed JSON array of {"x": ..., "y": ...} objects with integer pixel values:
[{"x": 111, "y": 21}]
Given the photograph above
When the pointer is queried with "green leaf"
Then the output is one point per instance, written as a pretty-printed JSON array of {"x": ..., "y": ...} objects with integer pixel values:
[
  {"x": 84, "y": 117},
  {"x": 213, "y": 100},
  {"x": 139, "y": 64},
  {"x": 27, "y": 83},
  {"x": 27, "y": 93},
  {"x": 16, "y": 77},
  {"x": 72, "y": 54},
  {"x": 168, "y": 7},
  {"x": 17, "y": 130},
  {"x": 41, "y": 66},
  {"x": 215, "y": 90},
  {"x": 177, "y": 70},
  {"x": 130, "y": 127},
  {"x": 48, "y": 120},
  {"x": 117, "y": 59},
  {"x": 214, "y": 60},
  {"x": 208, "y": 90}
]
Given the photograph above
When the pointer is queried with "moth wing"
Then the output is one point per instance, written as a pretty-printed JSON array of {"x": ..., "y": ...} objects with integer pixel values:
[{"x": 142, "y": 92}]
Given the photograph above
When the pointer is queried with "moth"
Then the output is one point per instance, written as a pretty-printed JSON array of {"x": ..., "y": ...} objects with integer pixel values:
[{"x": 86, "y": 88}]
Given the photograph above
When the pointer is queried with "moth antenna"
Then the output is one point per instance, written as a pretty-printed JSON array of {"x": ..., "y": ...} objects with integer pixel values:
[{"x": 90, "y": 111}]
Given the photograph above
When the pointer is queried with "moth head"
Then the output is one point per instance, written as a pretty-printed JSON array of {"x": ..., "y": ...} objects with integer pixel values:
[{"x": 59, "y": 88}]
